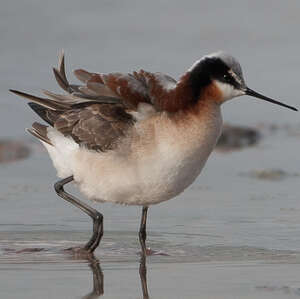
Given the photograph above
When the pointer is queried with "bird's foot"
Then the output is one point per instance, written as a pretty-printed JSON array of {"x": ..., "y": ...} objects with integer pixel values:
[
  {"x": 150, "y": 252},
  {"x": 80, "y": 253}
]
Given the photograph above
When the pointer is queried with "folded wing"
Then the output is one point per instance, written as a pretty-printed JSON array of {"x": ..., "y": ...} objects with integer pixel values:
[{"x": 100, "y": 112}]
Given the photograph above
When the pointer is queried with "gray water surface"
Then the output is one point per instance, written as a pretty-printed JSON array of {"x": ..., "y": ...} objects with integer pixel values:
[{"x": 231, "y": 234}]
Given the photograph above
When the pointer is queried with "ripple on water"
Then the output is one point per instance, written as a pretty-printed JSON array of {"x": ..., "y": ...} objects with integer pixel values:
[{"x": 113, "y": 248}]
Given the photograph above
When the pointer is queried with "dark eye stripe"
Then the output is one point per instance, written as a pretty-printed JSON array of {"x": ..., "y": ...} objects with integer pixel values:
[
  {"x": 206, "y": 71},
  {"x": 227, "y": 78}
]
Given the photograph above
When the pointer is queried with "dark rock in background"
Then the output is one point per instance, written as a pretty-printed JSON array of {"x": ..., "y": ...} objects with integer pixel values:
[
  {"x": 235, "y": 138},
  {"x": 11, "y": 150}
]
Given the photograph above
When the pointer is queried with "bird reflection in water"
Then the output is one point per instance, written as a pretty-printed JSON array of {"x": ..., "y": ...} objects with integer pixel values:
[
  {"x": 98, "y": 278},
  {"x": 143, "y": 277}
]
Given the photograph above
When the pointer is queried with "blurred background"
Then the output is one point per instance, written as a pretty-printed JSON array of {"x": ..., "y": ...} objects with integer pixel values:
[
  {"x": 244, "y": 208},
  {"x": 165, "y": 36}
]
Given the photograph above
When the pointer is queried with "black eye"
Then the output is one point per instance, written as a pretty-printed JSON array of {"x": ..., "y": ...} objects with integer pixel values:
[{"x": 227, "y": 78}]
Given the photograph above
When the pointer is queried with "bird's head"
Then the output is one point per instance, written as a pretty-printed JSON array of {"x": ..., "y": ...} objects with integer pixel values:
[{"x": 224, "y": 73}]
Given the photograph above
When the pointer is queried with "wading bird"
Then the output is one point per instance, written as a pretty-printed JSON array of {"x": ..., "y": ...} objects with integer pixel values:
[{"x": 135, "y": 139}]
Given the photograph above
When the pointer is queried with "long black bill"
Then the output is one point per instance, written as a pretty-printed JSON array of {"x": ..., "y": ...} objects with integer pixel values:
[{"x": 255, "y": 94}]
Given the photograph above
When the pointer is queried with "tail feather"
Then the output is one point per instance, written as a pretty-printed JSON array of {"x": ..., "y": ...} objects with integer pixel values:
[
  {"x": 57, "y": 97},
  {"x": 62, "y": 82},
  {"x": 42, "y": 112},
  {"x": 54, "y": 105},
  {"x": 40, "y": 131},
  {"x": 51, "y": 104},
  {"x": 61, "y": 65},
  {"x": 94, "y": 91}
]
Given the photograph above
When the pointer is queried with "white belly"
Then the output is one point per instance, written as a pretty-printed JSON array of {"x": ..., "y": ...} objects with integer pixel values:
[{"x": 157, "y": 166}]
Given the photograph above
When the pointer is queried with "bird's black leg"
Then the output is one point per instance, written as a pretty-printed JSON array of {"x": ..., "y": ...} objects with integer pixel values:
[
  {"x": 97, "y": 217},
  {"x": 142, "y": 232},
  {"x": 143, "y": 237}
]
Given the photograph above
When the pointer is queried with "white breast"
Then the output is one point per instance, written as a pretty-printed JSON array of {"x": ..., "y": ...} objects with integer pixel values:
[
  {"x": 178, "y": 158},
  {"x": 158, "y": 162}
]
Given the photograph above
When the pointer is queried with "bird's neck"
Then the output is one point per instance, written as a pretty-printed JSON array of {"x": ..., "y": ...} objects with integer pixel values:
[{"x": 188, "y": 96}]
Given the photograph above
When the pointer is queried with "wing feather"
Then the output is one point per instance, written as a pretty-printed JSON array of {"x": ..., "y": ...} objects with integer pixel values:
[
  {"x": 100, "y": 112},
  {"x": 96, "y": 126}
]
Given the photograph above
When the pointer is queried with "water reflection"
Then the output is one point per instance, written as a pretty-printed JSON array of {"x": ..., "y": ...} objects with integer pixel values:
[
  {"x": 143, "y": 277},
  {"x": 98, "y": 279}
]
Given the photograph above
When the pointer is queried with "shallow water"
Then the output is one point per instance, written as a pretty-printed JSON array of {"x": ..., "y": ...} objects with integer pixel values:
[
  {"x": 234, "y": 239},
  {"x": 232, "y": 234}
]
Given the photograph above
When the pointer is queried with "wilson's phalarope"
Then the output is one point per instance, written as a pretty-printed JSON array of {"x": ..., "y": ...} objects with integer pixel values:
[{"x": 135, "y": 139}]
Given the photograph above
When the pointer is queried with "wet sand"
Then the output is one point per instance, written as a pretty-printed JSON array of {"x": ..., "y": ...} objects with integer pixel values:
[{"x": 233, "y": 234}]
